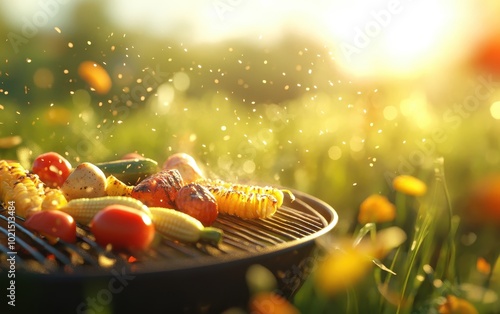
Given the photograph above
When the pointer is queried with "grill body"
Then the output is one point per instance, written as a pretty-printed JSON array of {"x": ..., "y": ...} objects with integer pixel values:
[{"x": 173, "y": 277}]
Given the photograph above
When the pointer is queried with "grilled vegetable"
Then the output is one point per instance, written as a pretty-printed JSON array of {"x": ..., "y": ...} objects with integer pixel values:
[
  {"x": 247, "y": 201},
  {"x": 129, "y": 171},
  {"x": 197, "y": 201},
  {"x": 244, "y": 205},
  {"x": 177, "y": 225},
  {"x": 52, "y": 224},
  {"x": 186, "y": 165},
  {"x": 84, "y": 209},
  {"x": 52, "y": 168},
  {"x": 17, "y": 185},
  {"x": 86, "y": 180},
  {"x": 115, "y": 187},
  {"x": 53, "y": 199},
  {"x": 159, "y": 189},
  {"x": 123, "y": 227}
]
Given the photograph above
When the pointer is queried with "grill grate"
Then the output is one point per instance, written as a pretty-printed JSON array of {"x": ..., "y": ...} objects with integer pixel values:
[{"x": 293, "y": 221}]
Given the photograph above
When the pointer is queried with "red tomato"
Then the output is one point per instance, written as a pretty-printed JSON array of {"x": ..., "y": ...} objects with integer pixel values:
[
  {"x": 52, "y": 224},
  {"x": 123, "y": 227},
  {"x": 52, "y": 168}
]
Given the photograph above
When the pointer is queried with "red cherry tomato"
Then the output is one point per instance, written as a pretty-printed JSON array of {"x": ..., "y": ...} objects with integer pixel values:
[
  {"x": 123, "y": 227},
  {"x": 52, "y": 168},
  {"x": 52, "y": 224}
]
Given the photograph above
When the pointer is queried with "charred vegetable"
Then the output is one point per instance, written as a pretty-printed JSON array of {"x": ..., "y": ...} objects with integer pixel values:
[
  {"x": 159, "y": 189},
  {"x": 247, "y": 201},
  {"x": 115, "y": 187},
  {"x": 20, "y": 186},
  {"x": 198, "y": 202}
]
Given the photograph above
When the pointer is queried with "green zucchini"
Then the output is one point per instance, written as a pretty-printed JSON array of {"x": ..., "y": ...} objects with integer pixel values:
[{"x": 129, "y": 171}]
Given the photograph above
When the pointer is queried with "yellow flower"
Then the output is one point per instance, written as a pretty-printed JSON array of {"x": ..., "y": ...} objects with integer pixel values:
[
  {"x": 409, "y": 185},
  {"x": 376, "y": 208},
  {"x": 341, "y": 270},
  {"x": 454, "y": 305}
]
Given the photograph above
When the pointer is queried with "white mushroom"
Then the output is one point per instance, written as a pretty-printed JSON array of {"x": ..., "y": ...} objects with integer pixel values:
[
  {"x": 86, "y": 180},
  {"x": 186, "y": 165}
]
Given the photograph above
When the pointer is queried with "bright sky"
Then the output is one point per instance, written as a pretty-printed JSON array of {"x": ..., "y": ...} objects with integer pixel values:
[{"x": 365, "y": 36}]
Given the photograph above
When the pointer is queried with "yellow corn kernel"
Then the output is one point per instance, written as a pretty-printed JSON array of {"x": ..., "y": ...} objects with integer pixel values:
[
  {"x": 21, "y": 187},
  {"x": 84, "y": 209},
  {"x": 115, "y": 187},
  {"x": 180, "y": 226},
  {"x": 53, "y": 199},
  {"x": 246, "y": 201}
]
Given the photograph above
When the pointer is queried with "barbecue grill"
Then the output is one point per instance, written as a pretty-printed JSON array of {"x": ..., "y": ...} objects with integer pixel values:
[{"x": 171, "y": 277}]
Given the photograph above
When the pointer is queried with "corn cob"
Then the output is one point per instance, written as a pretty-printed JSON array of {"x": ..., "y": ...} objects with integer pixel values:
[
  {"x": 179, "y": 226},
  {"x": 84, "y": 209},
  {"x": 17, "y": 185},
  {"x": 115, "y": 187},
  {"x": 53, "y": 199},
  {"x": 278, "y": 194},
  {"x": 246, "y": 201}
]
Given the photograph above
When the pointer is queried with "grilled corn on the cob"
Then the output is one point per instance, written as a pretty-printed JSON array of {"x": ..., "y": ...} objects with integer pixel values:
[
  {"x": 180, "y": 226},
  {"x": 21, "y": 187},
  {"x": 84, "y": 209},
  {"x": 246, "y": 201}
]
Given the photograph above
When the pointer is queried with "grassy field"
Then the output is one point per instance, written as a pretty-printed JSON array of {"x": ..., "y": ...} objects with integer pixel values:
[{"x": 248, "y": 114}]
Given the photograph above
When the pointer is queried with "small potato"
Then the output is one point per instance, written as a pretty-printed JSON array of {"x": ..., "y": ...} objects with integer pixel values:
[
  {"x": 86, "y": 180},
  {"x": 186, "y": 165}
]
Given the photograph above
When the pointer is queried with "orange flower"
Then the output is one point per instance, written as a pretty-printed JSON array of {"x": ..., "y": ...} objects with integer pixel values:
[
  {"x": 376, "y": 208},
  {"x": 454, "y": 305},
  {"x": 271, "y": 303},
  {"x": 483, "y": 203},
  {"x": 409, "y": 185},
  {"x": 483, "y": 266}
]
